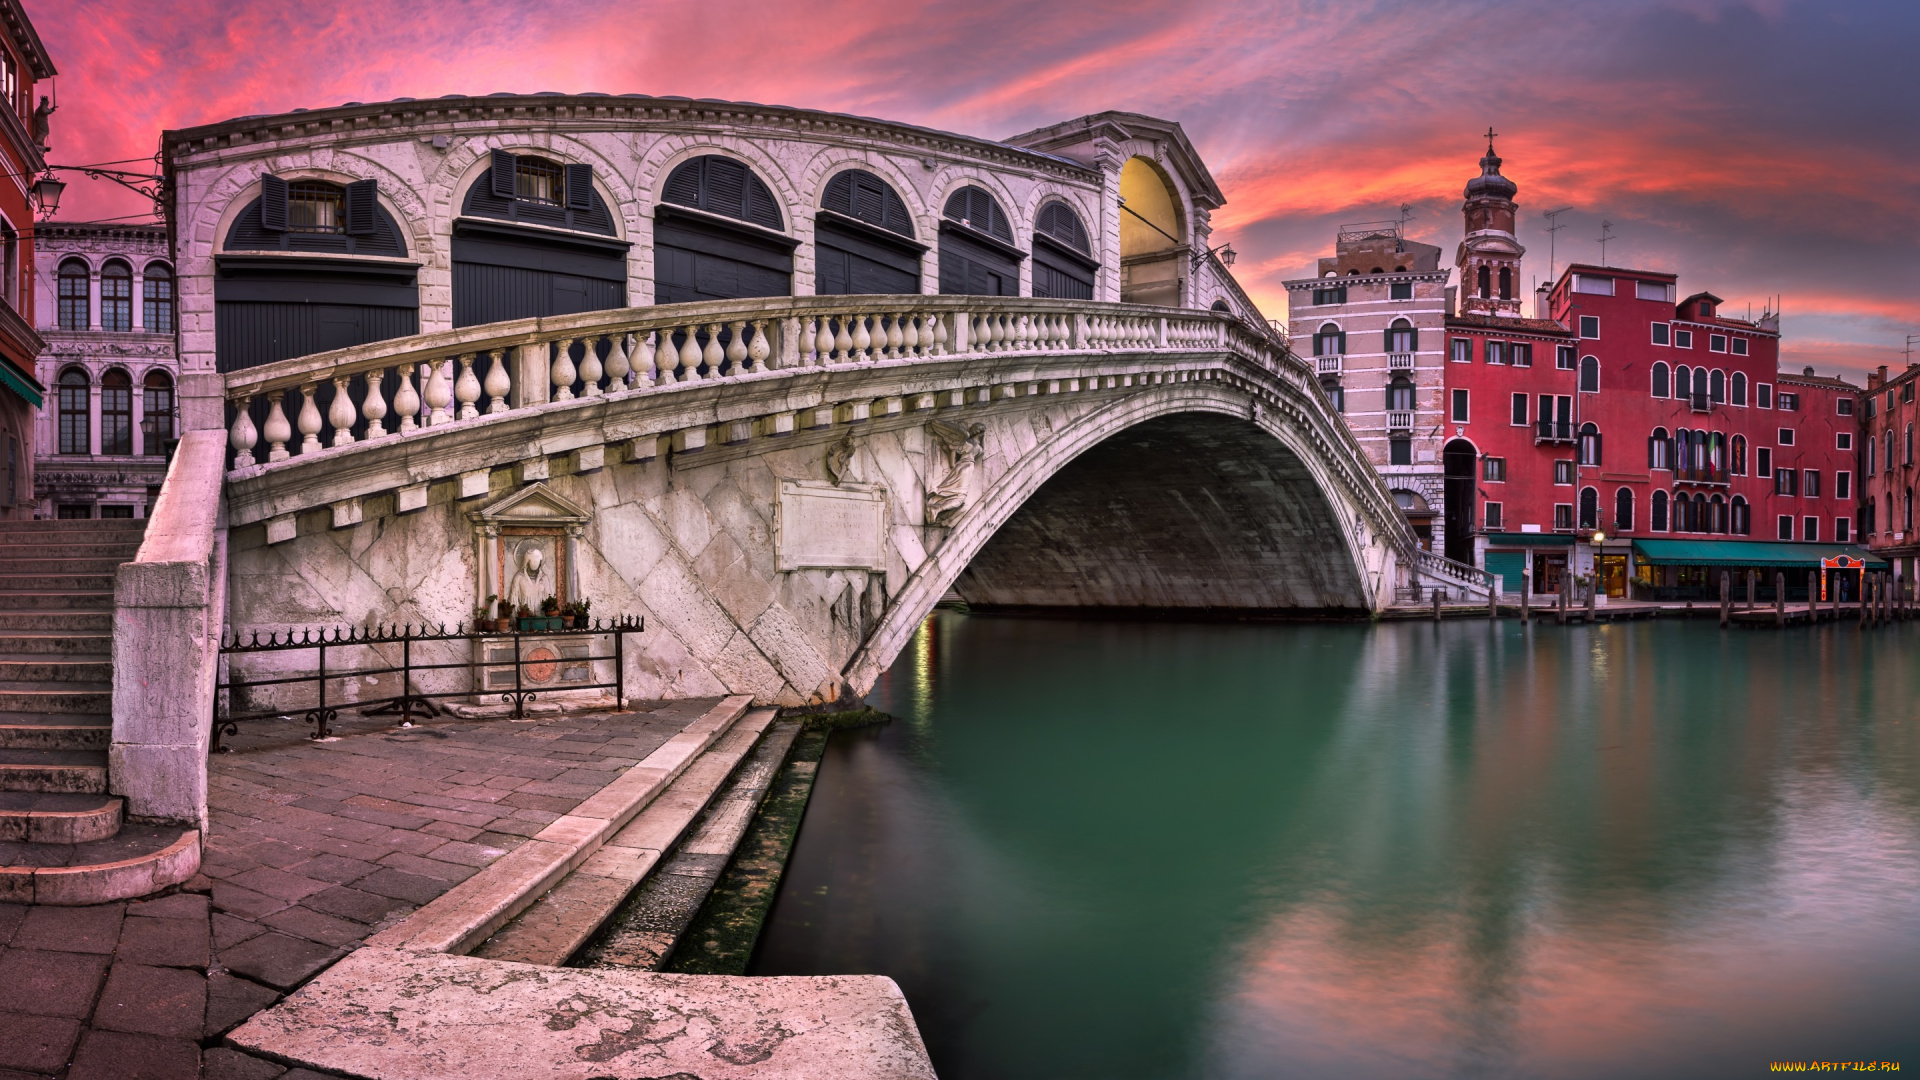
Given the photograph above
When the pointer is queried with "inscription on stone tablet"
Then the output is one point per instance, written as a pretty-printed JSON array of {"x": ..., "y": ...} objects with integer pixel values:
[{"x": 823, "y": 527}]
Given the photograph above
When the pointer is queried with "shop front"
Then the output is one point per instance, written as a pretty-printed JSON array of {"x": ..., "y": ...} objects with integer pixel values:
[
  {"x": 1522, "y": 559},
  {"x": 1668, "y": 570}
]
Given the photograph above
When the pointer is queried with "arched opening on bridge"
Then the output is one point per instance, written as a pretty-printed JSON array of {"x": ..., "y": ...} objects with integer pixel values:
[
  {"x": 1194, "y": 512},
  {"x": 1063, "y": 262},
  {"x": 863, "y": 238},
  {"x": 535, "y": 239},
  {"x": 977, "y": 253},
  {"x": 1152, "y": 235},
  {"x": 1456, "y": 465},
  {"x": 718, "y": 234}
]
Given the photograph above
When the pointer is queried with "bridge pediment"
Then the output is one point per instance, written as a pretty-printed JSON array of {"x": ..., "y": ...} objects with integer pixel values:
[{"x": 535, "y": 504}]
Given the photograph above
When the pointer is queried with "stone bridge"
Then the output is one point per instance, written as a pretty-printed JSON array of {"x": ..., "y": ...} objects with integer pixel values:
[{"x": 784, "y": 488}]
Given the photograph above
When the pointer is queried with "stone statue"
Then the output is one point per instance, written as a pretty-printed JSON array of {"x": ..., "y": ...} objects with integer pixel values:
[
  {"x": 531, "y": 583},
  {"x": 840, "y": 459},
  {"x": 42, "y": 124},
  {"x": 962, "y": 449}
]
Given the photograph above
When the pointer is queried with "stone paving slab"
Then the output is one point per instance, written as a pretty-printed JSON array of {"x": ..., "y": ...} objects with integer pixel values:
[{"x": 386, "y": 1014}]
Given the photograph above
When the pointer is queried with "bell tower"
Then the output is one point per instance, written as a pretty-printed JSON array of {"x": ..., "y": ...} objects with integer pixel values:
[{"x": 1489, "y": 255}]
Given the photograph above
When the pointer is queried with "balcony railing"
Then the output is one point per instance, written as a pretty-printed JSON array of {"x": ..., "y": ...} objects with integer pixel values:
[
  {"x": 1705, "y": 474},
  {"x": 465, "y": 376},
  {"x": 1327, "y": 365},
  {"x": 1399, "y": 420},
  {"x": 1400, "y": 361},
  {"x": 1552, "y": 431},
  {"x": 1700, "y": 402}
]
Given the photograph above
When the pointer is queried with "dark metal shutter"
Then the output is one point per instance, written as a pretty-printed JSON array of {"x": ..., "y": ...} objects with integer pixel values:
[
  {"x": 579, "y": 187},
  {"x": 362, "y": 197},
  {"x": 501, "y": 172},
  {"x": 683, "y": 184},
  {"x": 762, "y": 209},
  {"x": 726, "y": 188},
  {"x": 862, "y": 195},
  {"x": 975, "y": 208},
  {"x": 273, "y": 203},
  {"x": 1058, "y": 221}
]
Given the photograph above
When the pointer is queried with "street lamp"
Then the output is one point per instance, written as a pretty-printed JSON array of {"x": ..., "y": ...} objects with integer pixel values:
[{"x": 46, "y": 194}]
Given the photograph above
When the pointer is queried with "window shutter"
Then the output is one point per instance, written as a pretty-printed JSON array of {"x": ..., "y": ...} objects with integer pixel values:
[
  {"x": 1343, "y": 343},
  {"x": 362, "y": 197},
  {"x": 683, "y": 184},
  {"x": 839, "y": 195},
  {"x": 868, "y": 203},
  {"x": 501, "y": 171},
  {"x": 726, "y": 188},
  {"x": 579, "y": 187},
  {"x": 273, "y": 203},
  {"x": 1389, "y": 339},
  {"x": 1413, "y": 340}
]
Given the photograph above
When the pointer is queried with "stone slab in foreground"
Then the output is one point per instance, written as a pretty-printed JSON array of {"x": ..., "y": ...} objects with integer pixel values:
[{"x": 384, "y": 1014}]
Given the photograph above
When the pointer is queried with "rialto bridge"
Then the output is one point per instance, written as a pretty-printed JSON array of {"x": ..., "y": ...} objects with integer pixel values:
[{"x": 776, "y": 381}]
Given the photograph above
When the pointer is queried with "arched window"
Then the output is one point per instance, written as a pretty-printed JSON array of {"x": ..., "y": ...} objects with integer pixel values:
[
  {"x": 977, "y": 256},
  {"x": 1717, "y": 515},
  {"x": 1657, "y": 517},
  {"x": 1887, "y": 464},
  {"x": 1906, "y": 516},
  {"x": 116, "y": 296},
  {"x": 156, "y": 409},
  {"x": 1485, "y": 281},
  {"x": 1589, "y": 508},
  {"x": 1682, "y": 381},
  {"x": 76, "y": 431},
  {"x": 1700, "y": 381},
  {"x": 1063, "y": 263},
  {"x": 1717, "y": 387},
  {"x": 1623, "y": 510},
  {"x": 116, "y": 412},
  {"x": 1589, "y": 444},
  {"x": 1661, "y": 377},
  {"x": 1742, "y": 515},
  {"x": 1217, "y": 305},
  {"x": 863, "y": 239},
  {"x": 1329, "y": 341},
  {"x": 1401, "y": 337},
  {"x": 1589, "y": 375},
  {"x": 1506, "y": 283},
  {"x": 1906, "y": 457},
  {"x": 1697, "y": 519},
  {"x": 721, "y": 185},
  {"x": 1717, "y": 451},
  {"x": 1738, "y": 466},
  {"x": 73, "y": 295},
  {"x": 156, "y": 292},
  {"x": 1400, "y": 394},
  {"x": 1659, "y": 450},
  {"x": 1738, "y": 395},
  {"x": 1336, "y": 394}
]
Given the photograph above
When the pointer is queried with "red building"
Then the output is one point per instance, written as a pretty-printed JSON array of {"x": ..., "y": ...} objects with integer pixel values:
[
  {"x": 1629, "y": 434},
  {"x": 1887, "y": 413},
  {"x": 23, "y": 62}
]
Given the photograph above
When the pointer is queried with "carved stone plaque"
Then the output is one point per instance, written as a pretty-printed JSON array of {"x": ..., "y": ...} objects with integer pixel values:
[{"x": 822, "y": 527}]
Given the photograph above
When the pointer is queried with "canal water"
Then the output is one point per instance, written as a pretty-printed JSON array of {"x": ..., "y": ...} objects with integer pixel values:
[{"x": 1152, "y": 850}]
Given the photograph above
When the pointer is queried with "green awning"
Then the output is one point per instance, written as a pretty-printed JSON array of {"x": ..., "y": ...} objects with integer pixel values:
[
  {"x": 1506, "y": 539},
  {"x": 1737, "y": 553},
  {"x": 24, "y": 385}
]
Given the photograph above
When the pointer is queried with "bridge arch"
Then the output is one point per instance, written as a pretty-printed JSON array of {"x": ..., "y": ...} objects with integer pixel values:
[{"x": 1115, "y": 445}]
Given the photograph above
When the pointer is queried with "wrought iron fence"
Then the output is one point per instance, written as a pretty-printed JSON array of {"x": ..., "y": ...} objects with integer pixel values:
[{"x": 410, "y": 701}]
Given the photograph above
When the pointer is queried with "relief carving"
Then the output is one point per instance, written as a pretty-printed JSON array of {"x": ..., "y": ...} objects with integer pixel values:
[
  {"x": 840, "y": 459},
  {"x": 960, "y": 450}
]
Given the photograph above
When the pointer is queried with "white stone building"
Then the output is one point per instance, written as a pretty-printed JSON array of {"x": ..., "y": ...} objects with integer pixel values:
[
  {"x": 106, "y": 311},
  {"x": 317, "y": 230},
  {"x": 1373, "y": 320}
]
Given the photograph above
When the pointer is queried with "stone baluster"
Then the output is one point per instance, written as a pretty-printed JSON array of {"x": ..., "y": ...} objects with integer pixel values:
[
  {"x": 690, "y": 354},
  {"x": 617, "y": 365},
  {"x": 466, "y": 388},
  {"x": 341, "y": 413},
  {"x": 440, "y": 391},
  {"x": 842, "y": 341},
  {"x": 759, "y": 349},
  {"x": 895, "y": 334},
  {"x": 499, "y": 382},
  {"x": 736, "y": 347},
  {"x": 908, "y": 327},
  {"x": 645, "y": 360},
  {"x": 562, "y": 372},
  {"x": 406, "y": 400},
  {"x": 823, "y": 341},
  {"x": 590, "y": 366},
  {"x": 936, "y": 338},
  {"x": 309, "y": 421},
  {"x": 278, "y": 431},
  {"x": 713, "y": 353},
  {"x": 374, "y": 406},
  {"x": 243, "y": 436},
  {"x": 863, "y": 339}
]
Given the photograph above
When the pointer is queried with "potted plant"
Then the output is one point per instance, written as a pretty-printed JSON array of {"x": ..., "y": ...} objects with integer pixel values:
[
  {"x": 580, "y": 618},
  {"x": 550, "y": 613},
  {"x": 526, "y": 619},
  {"x": 502, "y": 616},
  {"x": 480, "y": 619}
]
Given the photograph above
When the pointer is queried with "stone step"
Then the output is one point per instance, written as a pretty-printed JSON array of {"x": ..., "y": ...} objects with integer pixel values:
[
  {"x": 58, "y": 600},
  {"x": 62, "y": 547},
  {"x": 56, "y": 697},
  {"x": 55, "y": 731},
  {"x": 58, "y": 642},
  {"x": 12, "y": 583},
  {"x": 60, "y": 818},
  {"x": 81, "y": 772},
  {"x": 559, "y": 922},
  {"x": 471, "y": 911},
  {"x": 90, "y": 564},
  {"x": 57, "y": 621},
  {"x": 138, "y": 860},
  {"x": 97, "y": 532},
  {"x": 44, "y": 667}
]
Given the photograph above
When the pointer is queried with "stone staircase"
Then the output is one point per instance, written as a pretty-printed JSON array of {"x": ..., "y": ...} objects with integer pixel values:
[{"x": 62, "y": 837}]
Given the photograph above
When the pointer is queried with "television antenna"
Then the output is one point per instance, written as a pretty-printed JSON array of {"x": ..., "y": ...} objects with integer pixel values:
[
  {"x": 1553, "y": 226},
  {"x": 1606, "y": 234},
  {"x": 1911, "y": 340}
]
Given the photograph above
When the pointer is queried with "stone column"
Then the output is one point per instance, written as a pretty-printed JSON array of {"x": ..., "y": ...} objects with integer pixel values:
[
  {"x": 139, "y": 409},
  {"x": 93, "y": 403},
  {"x": 139, "y": 303},
  {"x": 93, "y": 301}
]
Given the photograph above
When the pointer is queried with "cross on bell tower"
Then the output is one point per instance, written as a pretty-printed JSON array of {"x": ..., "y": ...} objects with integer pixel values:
[{"x": 1489, "y": 255}]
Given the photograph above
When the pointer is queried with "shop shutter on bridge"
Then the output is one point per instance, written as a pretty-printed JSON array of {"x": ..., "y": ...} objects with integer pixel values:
[
  {"x": 863, "y": 238},
  {"x": 518, "y": 256},
  {"x": 977, "y": 256},
  {"x": 1063, "y": 262},
  {"x": 718, "y": 235}
]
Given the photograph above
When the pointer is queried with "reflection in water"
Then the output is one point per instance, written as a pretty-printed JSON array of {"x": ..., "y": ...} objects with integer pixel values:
[{"x": 1144, "y": 850}]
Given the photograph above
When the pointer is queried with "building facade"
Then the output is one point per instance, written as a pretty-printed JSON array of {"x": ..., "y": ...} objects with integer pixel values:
[
  {"x": 23, "y": 143},
  {"x": 1371, "y": 319},
  {"x": 1886, "y": 412},
  {"x": 111, "y": 415}
]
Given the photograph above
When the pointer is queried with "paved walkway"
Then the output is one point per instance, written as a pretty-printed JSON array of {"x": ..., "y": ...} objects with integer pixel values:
[{"x": 312, "y": 847}]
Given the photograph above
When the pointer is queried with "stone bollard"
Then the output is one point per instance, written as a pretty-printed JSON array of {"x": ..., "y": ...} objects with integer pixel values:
[
  {"x": 1726, "y": 598},
  {"x": 1779, "y": 598}
]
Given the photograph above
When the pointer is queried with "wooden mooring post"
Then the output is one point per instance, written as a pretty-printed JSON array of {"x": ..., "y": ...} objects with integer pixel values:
[
  {"x": 1436, "y": 602},
  {"x": 1493, "y": 599},
  {"x": 1726, "y": 598},
  {"x": 1753, "y": 579},
  {"x": 1779, "y": 598},
  {"x": 1866, "y": 595},
  {"x": 1526, "y": 592}
]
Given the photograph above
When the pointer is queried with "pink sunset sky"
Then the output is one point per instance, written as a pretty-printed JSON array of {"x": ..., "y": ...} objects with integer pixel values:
[{"x": 1757, "y": 149}]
